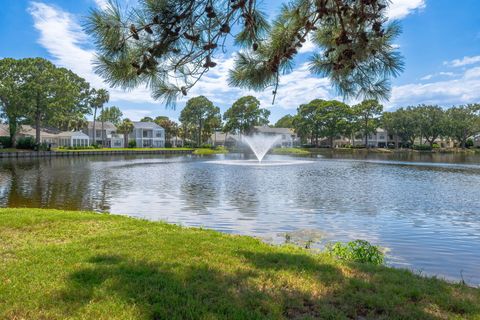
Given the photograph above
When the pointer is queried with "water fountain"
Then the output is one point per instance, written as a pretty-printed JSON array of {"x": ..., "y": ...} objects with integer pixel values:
[{"x": 260, "y": 144}]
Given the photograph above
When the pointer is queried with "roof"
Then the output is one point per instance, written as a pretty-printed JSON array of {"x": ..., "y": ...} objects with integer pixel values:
[
  {"x": 4, "y": 132},
  {"x": 265, "y": 129},
  {"x": 107, "y": 125},
  {"x": 220, "y": 136},
  {"x": 28, "y": 130},
  {"x": 74, "y": 134},
  {"x": 146, "y": 125}
]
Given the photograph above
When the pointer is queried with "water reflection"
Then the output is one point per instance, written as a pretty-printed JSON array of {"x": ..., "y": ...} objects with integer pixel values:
[{"x": 424, "y": 208}]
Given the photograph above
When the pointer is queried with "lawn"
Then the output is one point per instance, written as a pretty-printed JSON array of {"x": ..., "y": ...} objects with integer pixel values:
[
  {"x": 208, "y": 151},
  {"x": 84, "y": 265}
]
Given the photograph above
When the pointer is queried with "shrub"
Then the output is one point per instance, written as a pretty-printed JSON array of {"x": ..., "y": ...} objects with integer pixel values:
[
  {"x": 469, "y": 143},
  {"x": 132, "y": 144},
  {"x": 168, "y": 144},
  {"x": 206, "y": 146},
  {"x": 357, "y": 251},
  {"x": 44, "y": 147},
  {"x": 435, "y": 146},
  {"x": 26, "y": 143},
  {"x": 359, "y": 146},
  {"x": 5, "y": 142},
  {"x": 421, "y": 147}
]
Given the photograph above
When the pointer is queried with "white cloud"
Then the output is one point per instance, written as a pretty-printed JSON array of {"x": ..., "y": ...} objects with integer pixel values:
[
  {"x": 464, "y": 88},
  {"x": 308, "y": 46},
  {"x": 62, "y": 36},
  {"x": 102, "y": 4},
  {"x": 399, "y": 9},
  {"x": 465, "y": 61},
  {"x": 442, "y": 74},
  {"x": 135, "y": 114},
  {"x": 427, "y": 77}
]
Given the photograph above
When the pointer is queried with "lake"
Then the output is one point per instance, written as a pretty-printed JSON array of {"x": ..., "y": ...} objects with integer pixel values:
[{"x": 423, "y": 208}]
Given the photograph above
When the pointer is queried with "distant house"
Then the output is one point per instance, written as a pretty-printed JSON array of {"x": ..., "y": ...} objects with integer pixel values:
[
  {"x": 46, "y": 136},
  {"x": 288, "y": 138},
  {"x": 72, "y": 139},
  {"x": 148, "y": 135},
  {"x": 112, "y": 139},
  {"x": 4, "y": 132},
  {"x": 176, "y": 141},
  {"x": 219, "y": 138},
  {"x": 379, "y": 139},
  {"x": 476, "y": 140}
]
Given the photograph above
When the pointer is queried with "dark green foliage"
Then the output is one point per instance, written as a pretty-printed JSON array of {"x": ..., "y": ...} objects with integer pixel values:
[
  {"x": 132, "y": 144},
  {"x": 357, "y": 251},
  {"x": 26, "y": 143},
  {"x": 469, "y": 143},
  {"x": 199, "y": 119},
  {"x": 285, "y": 122},
  {"x": 5, "y": 142},
  {"x": 244, "y": 114}
]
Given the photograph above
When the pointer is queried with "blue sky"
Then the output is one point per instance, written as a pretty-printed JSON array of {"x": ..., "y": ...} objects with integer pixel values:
[{"x": 440, "y": 43}]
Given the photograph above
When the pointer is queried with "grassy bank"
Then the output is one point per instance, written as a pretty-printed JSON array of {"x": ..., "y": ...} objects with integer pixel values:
[
  {"x": 80, "y": 265},
  {"x": 208, "y": 151},
  {"x": 119, "y": 149},
  {"x": 292, "y": 151}
]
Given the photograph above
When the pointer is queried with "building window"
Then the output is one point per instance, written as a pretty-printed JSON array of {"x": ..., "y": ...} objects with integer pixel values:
[
  {"x": 98, "y": 133},
  {"x": 145, "y": 134},
  {"x": 159, "y": 134},
  {"x": 382, "y": 137}
]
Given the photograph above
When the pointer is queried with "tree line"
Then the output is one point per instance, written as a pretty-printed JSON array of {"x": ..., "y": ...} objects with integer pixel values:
[
  {"x": 320, "y": 119},
  {"x": 34, "y": 91},
  {"x": 200, "y": 118}
]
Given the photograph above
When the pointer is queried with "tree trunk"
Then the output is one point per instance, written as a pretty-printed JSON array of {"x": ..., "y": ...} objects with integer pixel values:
[
  {"x": 103, "y": 135},
  {"x": 94, "y": 122},
  {"x": 125, "y": 140},
  {"x": 12, "y": 127},
  {"x": 331, "y": 142},
  {"x": 37, "y": 127},
  {"x": 366, "y": 133},
  {"x": 396, "y": 141}
]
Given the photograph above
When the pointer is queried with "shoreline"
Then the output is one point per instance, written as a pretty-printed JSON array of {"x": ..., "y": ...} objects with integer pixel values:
[
  {"x": 91, "y": 152},
  {"x": 93, "y": 265}
]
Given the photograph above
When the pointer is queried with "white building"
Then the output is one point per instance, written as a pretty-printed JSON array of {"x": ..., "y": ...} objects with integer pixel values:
[
  {"x": 288, "y": 138},
  {"x": 379, "y": 139},
  {"x": 72, "y": 139},
  {"x": 112, "y": 139},
  {"x": 147, "y": 135}
]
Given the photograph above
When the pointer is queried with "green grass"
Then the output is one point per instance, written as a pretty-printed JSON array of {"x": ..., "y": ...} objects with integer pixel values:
[
  {"x": 120, "y": 149},
  {"x": 294, "y": 151},
  {"x": 83, "y": 265},
  {"x": 208, "y": 151}
]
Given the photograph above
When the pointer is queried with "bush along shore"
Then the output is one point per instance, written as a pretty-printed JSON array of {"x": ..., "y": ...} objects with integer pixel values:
[{"x": 83, "y": 265}]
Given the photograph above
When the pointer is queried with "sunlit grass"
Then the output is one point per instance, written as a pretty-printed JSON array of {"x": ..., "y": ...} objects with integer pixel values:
[
  {"x": 83, "y": 265},
  {"x": 293, "y": 151}
]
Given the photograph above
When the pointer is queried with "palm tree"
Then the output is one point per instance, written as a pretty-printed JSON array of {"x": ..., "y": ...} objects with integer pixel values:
[
  {"x": 98, "y": 99},
  {"x": 125, "y": 127}
]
